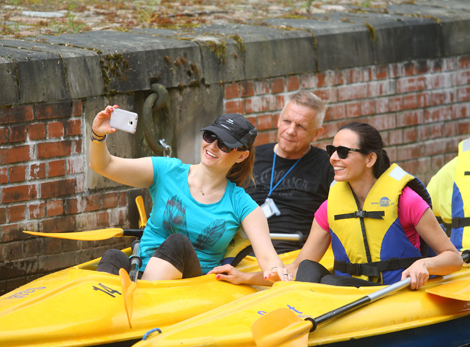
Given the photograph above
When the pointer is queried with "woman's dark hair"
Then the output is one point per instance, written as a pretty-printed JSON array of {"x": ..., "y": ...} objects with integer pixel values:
[
  {"x": 370, "y": 141},
  {"x": 242, "y": 173}
]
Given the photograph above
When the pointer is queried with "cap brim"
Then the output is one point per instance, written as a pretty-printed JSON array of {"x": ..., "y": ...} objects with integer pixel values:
[{"x": 224, "y": 135}]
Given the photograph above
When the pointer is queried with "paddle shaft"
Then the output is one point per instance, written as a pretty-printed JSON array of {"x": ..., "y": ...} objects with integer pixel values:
[
  {"x": 297, "y": 236},
  {"x": 132, "y": 232}
]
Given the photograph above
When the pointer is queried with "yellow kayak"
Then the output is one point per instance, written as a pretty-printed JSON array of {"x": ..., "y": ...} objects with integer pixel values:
[
  {"x": 81, "y": 307},
  {"x": 403, "y": 318}
]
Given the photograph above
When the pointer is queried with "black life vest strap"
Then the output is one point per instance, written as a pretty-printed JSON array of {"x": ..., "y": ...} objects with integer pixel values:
[
  {"x": 458, "y": 222},
  {"x": 374, "y": 269},
  {"x": 361, "y": 214},
  {"x": 467, "y": 173}
]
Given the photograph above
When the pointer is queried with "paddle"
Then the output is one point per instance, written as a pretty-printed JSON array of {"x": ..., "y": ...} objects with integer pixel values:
[
  {"x": 128, "y": 288},
  {"x": 283, "y": 328},
  {"x": 92, "y": 235},
  {"x": 141, "y": 208}
]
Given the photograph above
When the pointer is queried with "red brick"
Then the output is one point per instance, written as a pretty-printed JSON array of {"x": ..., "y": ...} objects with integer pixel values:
[
  {"x": 37, "y": 171},
  {"x": 266, "y": 137},
  {"x": 461, "y": 110},
  {"x": 18, "y": 133},
  {"x": 327, "y": 95},
  {"x": 410, "y": 166},
  {"x": 410, "y": 84},
  {"x": 353, "y": 109},
  {"x": 293, "y": 83},
  {"x": 439, "y": 81},
  {"x": 36, "y": 210},
  {"x": 58, "y": 224},
  {"x": 16, "y": 114},
  {"x": 409, "y": 135},
  {"x": 308, "y": 81},
  {"x": 424, "y": 165},
  {"x": 17, "y": 173},
  {"x": 75, "y": 165},
  {"x": 16, "y": 213},
  {"x": 3, "y": 175},
  {"x": 410, "y": 101},
  {"x": 54, "y": 262},
  {"x": 329, "y": 130},
  {"x": 19, "y": 193},
  {"x": 396, "y": 103},
  {"x": 260, "y": 104},
  {"x": 381, "y": 72},
  {"x": 437, "y": 65},
  {"x": 438, "y": 114},
  {"x": 78, "y": 146},
  {"x": 247, "y": 89},
  {"x": 380, "y": 88},
  {"x": 33, "y": 247},
  {"x": 14, "y": 232},
  {"x": 57, "y": 188},
  {"x": 54, "y": 149},
  {"x": 438, "y": 146},
  {"x": 437, "y": 130},
  {"x": 3, "y": 215},
  {"x": 395, "y": 137},
  {"x": 422, "y": 132},
  {"x": 55, "y": 110},
  {"x": 281, "y": 101},
  {"x": 367, "y": 107},
  {"x": 264, "y": 122},
  {"x": 424, "y": 99},
  {"x": 92, "y": 203},
  {"x": 4, "y": 135},
  {"x": 463, "y": 62},
  {"x": 234, "y": 107},
  {"x": 409, "y": 118},
  {"x": 232, "y": 91},
  {"x": 461, "y": 77},
  {"x": 366, "y": 74},
  {"x": 55, "y": 208},
  {"x": 15, "y": 155},
  {"x": 442, "y": 97},
  {"x": 451, "y": 129},
  {"x": 110, "y": 200},
  {"x": 464, "y": 128},
  {"x": 55, "y": 129},
  {"x": 278, "y": 85},
  {"x": 261, "y": 87},
  {"x": 73, "y": 206},
  {"x": 382, "y": 105},
  {"x": 56, "y": 168},
  {"x": 409, "y": 69},
  {"x": 13, "y": 251},
  {"x": 463, "y": 94},
  {"x": 336, "y": 77},
  {"x": 122, "y": 199},
  {"x": 352, "y": 92},
  {"x": 37, "y": 131},
  {"x": 352, "y": 75},
  {"x": 252, "y": 119},
  {"x": 77, "y": 108},
  {"x": 421, "y": 67},
  {"x": 91, "y": 221},
  {"x": 409, "y": 152},
  {"x": 384, "y": 122},
  {"x": 335, "y": 112}
]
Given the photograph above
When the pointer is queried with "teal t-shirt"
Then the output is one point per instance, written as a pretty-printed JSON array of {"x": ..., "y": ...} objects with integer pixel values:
[{"x": 209, "y": 227}]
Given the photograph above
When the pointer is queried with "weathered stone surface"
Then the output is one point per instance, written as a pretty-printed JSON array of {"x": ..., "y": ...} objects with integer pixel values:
[{"x": 10, "y": 90}]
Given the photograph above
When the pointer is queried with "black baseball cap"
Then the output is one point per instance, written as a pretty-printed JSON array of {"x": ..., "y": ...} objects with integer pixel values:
[{"x": 234, "y": 130}]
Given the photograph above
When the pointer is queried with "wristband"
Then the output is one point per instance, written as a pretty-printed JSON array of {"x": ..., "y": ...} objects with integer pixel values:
[
  {"x": 274, "y": 267},
  {"x": 95, "y": 140}
]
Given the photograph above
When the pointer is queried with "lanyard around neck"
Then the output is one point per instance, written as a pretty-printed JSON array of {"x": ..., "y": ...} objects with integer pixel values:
[{"x": 271, "y": 189}]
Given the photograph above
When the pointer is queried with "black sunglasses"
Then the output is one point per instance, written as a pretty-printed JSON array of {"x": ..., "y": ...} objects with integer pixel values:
[
  {"x": 341, "y": 150},
  {"x": 210, "y": 137}
]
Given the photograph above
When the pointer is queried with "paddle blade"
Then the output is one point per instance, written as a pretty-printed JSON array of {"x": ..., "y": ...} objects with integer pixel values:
[
  {"x": 457, "y": 290},
  {"x": 141, "y": 208},
  {"x": 128, "y": 288},
  {"x": 92, "y": 235},
  {"x": 281, "y": 328}
]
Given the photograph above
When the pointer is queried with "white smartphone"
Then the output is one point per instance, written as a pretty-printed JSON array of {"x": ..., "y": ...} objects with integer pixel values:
[{"x": 124, "y": 120}]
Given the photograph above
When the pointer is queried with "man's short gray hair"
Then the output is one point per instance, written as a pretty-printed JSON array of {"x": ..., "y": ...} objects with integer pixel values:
[{"x": 309, "y": 99}]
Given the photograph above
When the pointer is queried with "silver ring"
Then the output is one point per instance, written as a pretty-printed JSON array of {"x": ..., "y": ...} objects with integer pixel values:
[{"x": 286, "y": 274}]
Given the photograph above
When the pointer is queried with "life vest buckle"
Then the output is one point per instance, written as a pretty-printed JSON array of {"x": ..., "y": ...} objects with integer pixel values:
[
  {"x": 355, "y": 269},
  {"x": 360, "y": 214}
]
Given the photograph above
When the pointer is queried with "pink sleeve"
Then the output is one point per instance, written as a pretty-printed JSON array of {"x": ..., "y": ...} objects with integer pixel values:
[
  {"x": 410, "y": 210},
  {"x": 321, "y": 216}
]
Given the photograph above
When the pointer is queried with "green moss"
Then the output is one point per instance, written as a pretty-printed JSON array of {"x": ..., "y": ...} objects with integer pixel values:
[
  {"x": 239, "y": 43},
  {"x": 371, "y": 31},
  {"x": 219, "y": 49}
]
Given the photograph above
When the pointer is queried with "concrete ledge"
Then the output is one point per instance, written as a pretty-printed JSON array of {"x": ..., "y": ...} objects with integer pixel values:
[{"x": 53, "y": 68}]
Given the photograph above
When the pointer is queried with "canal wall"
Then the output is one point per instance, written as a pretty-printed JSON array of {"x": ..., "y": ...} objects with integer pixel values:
[{"x": 406, "y": 72}]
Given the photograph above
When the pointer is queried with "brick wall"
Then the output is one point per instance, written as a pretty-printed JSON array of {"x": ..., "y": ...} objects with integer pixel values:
[
  {"x": 422, "y": 108},
  {"x": 42, "y": 173}
]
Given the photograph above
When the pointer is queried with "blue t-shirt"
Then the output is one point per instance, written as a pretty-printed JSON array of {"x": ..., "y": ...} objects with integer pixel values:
[{"x": 209, "y": 227}]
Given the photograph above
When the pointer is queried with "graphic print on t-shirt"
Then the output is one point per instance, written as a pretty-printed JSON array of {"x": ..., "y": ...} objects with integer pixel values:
[
  {"x": 174, "y": 221},
  {"x": 210, "y": 235},
  {"x": 174, "y": 217}
]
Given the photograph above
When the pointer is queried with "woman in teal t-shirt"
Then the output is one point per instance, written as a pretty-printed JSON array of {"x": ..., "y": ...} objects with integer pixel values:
[{"x": 197, "y": 209}]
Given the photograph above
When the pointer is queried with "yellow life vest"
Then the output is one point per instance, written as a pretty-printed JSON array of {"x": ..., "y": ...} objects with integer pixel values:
[
  {"x": 460, "y": 236},
  {"x": 371, "y": 243}
]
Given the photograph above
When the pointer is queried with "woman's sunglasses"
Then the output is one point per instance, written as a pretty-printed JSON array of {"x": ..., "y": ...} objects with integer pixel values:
[
  {"x": 210, "y": 137},
  {"x": 341, "y": 150}
]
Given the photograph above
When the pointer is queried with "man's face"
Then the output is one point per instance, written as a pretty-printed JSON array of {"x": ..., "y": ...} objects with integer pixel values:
[{"x": 296, "y": 130}]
